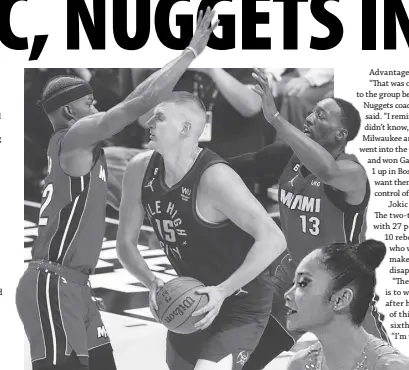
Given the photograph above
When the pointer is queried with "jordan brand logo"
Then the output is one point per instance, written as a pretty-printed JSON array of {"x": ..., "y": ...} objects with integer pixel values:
[
  {"x": 239, "y": 291},
  {"x": 150, "y": 184},
  {"x": 291, "y": 182}
]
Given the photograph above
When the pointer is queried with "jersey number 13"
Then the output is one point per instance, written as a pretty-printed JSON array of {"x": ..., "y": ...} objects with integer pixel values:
[{"x": 310, "y": 225}]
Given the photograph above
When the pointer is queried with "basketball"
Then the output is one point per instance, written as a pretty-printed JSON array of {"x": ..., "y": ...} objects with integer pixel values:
[{"x": 177, "y": 300}]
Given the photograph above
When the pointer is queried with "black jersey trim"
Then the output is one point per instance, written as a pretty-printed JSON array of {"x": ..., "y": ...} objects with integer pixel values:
[
  {"x": 194, "y": 194},
  {"x": 69, "y": 219},
  {"x": 60, "y": 335},
  {"x": 161, "y": 174},
  {"x": 55, "y": 339},
  {"x": 43, "y": 313},
  {"x": 76, "y": 219},
  {"x": 353, "y": 224},
  {"x": 336, "y": 197},
  {"x": 149, "y": 169},
  {"x": 97, "y": 153}
]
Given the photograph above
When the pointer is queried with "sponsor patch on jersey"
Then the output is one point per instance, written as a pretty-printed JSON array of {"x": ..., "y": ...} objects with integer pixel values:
[
  {"x": 296, "y": 167},
  {"x": 185, "y": 195}
]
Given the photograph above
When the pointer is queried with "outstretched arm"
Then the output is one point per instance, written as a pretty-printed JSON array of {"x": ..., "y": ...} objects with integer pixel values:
[
  {"x": 87, "y": 132},
  {"x": 346, "y": 176},
  {"x": 268, "y": 161},
  {"x": 239, "y": 95}
]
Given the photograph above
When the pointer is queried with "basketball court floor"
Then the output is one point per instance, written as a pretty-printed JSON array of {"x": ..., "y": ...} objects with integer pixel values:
[{"x": 138, "y": 340}]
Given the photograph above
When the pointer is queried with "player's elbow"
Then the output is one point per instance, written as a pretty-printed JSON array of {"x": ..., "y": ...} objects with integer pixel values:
[
  {"x": 252, "y": 107},
  {"x": 273, "y": 239},
  {"x": 326, "y": 173},
  {"x": 277, "y": 243},
  {"x": 122, "y": 248}
]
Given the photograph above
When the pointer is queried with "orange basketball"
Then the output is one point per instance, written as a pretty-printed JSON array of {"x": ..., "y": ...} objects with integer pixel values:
[{"x": 177, "y": 300}]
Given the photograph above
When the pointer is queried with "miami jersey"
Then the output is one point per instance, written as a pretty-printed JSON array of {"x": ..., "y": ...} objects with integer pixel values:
[
  {"x": 72, "y": 215},
  {"x": 196, "y": 248},
  {"x": 314, "y": 214}
]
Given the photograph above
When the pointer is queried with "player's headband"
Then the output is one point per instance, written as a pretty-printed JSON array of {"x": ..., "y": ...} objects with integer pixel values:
[{"x": 66, "y": 97}]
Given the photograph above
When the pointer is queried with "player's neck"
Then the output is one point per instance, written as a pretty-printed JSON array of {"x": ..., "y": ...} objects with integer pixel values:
[
  {"x": 178, "y": 161},
  {"x": 340, "y": 335},
  {"x": 61, "y": 125},
  {"x": 336, "y": 151}
]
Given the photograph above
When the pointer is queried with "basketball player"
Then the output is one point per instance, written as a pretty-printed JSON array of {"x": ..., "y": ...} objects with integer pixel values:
[
  {"x": 323, "y": 195},
  {"x": 54, "y": 299},
  {"x": 210, "y": 227}
]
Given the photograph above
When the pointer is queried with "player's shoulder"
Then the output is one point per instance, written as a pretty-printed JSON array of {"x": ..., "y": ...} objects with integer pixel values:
[
  {"x": 139, "y": 163},
  {"x": 392, "y": 361},
  {"x": 300, "y": 359},
  {"x": 86, "y": 119},
  {"x": 56, "y": 137},
  {"x": 349, "y": 158},
  {"x": 219, "y": 172}
]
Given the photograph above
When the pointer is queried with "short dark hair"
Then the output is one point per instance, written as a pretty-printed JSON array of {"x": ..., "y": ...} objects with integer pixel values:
[
  {"x": 181, "y": 97},
  {"x": 350, "y": 118},
  {"x": 354, "y": 265},
  {"x": 59, "y": 84},
  {"x": 61, "y": 90}
]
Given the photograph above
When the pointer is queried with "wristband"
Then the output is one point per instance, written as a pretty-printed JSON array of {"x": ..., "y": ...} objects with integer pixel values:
[
  {"x": 276, "y": 114},
  {"x": 192, "y": 50}
]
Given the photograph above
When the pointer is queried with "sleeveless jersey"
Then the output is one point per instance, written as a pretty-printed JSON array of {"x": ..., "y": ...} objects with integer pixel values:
[
  {"x": 205, "y": 251},
  {"x": 313, "y": 214},
  {"x": 72, "y": 215}
]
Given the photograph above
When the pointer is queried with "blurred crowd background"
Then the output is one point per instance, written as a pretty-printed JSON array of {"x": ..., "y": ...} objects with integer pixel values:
[{"x": 238, "y": 124}]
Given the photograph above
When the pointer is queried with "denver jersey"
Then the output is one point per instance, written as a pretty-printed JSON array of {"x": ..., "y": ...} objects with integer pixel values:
[
  {"x": 313, "y": 214},
  {"x": 72, "y": 215},
  {"x": 196, "y": 248}
]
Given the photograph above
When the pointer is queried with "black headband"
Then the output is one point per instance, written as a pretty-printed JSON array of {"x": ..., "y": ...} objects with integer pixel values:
[{"x": 66, "y": 97}]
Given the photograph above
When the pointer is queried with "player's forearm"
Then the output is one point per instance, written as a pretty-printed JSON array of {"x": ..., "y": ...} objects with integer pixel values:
[
  {"x": 268, "y": 161},
  {"x": 313, "y": 156},
  {"x": 243, "y": 99},
  {"x": 149, "y": 93},
  {"x": 134, "y": 263},
  {"x": 159, "y": 84},
  {"x": 261, "y": 255}
]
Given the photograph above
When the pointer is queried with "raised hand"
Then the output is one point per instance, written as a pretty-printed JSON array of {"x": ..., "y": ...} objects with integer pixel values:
[
  {"x": 203, "y": 30},
  {"x": 265, "y": 88}
]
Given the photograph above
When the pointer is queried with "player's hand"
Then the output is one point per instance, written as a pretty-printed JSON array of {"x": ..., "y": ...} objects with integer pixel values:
[
  {"x": 296, "y": 86},
  {"x": 216, "y": 298},
  {"x": 265, "y": 88},
  {"x": 154, "y": 288},
  {"x": 203, "y": 30}
]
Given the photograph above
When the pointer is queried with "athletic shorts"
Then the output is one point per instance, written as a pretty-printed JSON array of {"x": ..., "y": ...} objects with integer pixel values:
[
  {"x": 236, "y": 331},
  {"x": 59, "y": 316},
  {"x": 282, "y": 280}
]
